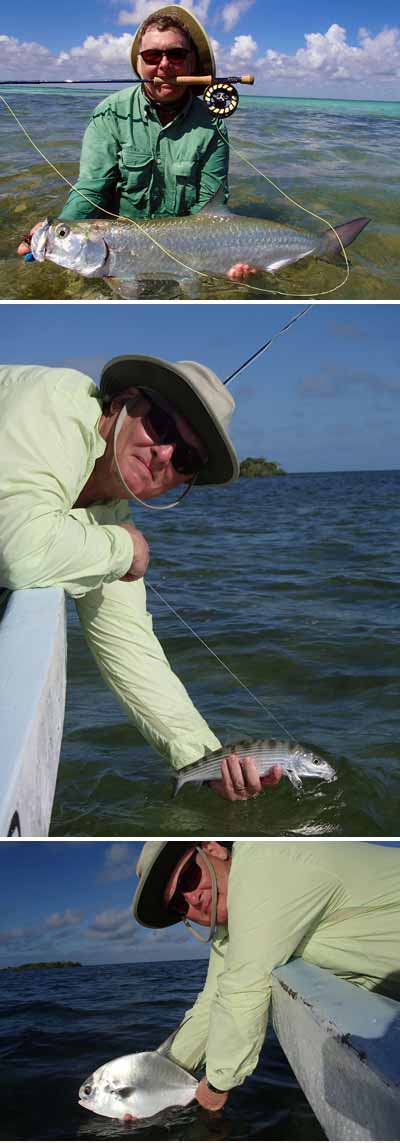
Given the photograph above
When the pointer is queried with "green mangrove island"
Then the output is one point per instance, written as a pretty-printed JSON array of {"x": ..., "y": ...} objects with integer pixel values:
[
  {"x": 258, "y": 466},
  {"x": 42, "y": 964}
]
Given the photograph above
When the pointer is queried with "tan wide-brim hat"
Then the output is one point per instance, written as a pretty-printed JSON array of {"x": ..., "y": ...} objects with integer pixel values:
[
  {"x": 195, "y": 392},
  {"x": 196, "y": 32},
  {"x": 156, "y": 863}
]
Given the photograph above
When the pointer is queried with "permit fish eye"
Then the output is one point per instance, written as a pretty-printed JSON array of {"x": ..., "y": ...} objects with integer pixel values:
[
  {"x": 87, "y": 1089},
  {"x": 62, "y": 231}
]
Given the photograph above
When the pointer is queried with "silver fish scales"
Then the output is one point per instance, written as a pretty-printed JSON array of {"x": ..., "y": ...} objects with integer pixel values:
[{"x": 296, "y": 762}]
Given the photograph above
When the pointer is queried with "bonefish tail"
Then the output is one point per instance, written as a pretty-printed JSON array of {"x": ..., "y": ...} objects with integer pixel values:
[{"x": 328, "y": 247}]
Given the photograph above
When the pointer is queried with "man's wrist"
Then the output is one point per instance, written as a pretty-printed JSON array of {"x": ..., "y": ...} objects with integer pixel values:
[{"x": 218, "y": 1090}]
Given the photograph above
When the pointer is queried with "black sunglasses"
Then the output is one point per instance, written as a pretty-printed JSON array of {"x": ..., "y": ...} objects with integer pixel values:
[
  {"x": 155, "y": 55},
  {"x": 188, "y": 880},
  {"x": 185, "y": 459}
]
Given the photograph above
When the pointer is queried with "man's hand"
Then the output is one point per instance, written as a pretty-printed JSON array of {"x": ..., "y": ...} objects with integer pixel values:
[
  {"x": 141, "y": 554},
  {"x": 240, "y": 271},
  {"x": 240, "y": 779},
  {"x": 211, "y": 1100},
  {"x": 24, "y": 247}
]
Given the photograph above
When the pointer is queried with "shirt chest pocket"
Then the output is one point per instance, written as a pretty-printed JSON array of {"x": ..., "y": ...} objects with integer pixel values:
[
  {"x": 185, "y": 180},
  {"x": 136, "y": 171}
]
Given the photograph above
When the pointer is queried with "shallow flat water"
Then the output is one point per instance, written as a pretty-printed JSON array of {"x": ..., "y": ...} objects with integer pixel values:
[
  {"x": 294, "y": 582},
  {"x": 335, "y": 157},
  {"x": 57, "y": 1025}
]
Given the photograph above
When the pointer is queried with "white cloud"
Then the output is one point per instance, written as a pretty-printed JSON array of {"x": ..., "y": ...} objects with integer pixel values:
[
  {"x": 142, "y": 8},
  {"x": 112, "y": 925},
  {"x": 329, "y": 57},
  {"x": 232, "y": 12},
  {"x": 62, "y": 920},
  {"x": 118, "y": 864},
  {"x": 243, "y": 49}
]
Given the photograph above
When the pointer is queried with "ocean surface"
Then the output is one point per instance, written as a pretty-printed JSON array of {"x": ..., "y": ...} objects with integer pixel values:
[
  {"x": 337, "y": 158},
  {"x": 294, "y": 582},
  {"x": 58, "y": 1025}
]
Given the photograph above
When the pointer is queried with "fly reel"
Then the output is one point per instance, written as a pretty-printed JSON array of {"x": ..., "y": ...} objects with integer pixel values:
[{"x": 221, "y": 98}]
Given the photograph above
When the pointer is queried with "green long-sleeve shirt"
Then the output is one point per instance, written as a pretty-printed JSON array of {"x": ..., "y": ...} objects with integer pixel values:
[
  {"x": 49, "y": 444},
  {"x": 132, "y": 165},
  {"x": 336, "y": 904}
]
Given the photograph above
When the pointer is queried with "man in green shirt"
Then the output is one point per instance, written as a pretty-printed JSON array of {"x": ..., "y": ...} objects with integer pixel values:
[
  {"x": 335, "y": 904},
  {"x": 154, "y": 150},
  {"x": 71, "y": 457}
]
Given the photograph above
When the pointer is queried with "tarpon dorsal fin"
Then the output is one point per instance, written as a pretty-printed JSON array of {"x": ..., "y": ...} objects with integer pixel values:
[
  {"x": 164, "y": 1048},
  {"x": 216, "y": 204}
]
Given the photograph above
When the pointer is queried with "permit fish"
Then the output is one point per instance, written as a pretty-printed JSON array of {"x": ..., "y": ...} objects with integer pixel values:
[
  {"x": 211, "y": 241},
  {"x": 295, "y": 761},
  {"x": 138, "y": 1086}
]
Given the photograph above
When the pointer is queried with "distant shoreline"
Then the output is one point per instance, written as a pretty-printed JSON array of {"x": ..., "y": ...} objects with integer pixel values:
[{"x": 41, "y": 964}]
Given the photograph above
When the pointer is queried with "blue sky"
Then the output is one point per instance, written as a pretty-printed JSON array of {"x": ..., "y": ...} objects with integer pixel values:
[
  {"x": 325, "y": 397},
  {"x": 329, "y": 48},
  {"x": 72, "y": 901}
]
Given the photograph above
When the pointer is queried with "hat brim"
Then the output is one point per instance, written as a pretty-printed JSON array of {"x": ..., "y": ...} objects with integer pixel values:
[
  {"x": 196, "y": 32},
  {"x": 148, "y": 905},
  {"x": 222, "y": 465}
]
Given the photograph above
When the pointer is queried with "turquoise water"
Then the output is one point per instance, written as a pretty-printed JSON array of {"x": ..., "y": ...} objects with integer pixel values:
[
  {"x": 335, "y": 157},
  {"x": 293, "y": 582}
]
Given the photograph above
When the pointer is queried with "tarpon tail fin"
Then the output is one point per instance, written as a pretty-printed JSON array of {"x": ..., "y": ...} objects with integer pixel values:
[{"x": 328, "y": 247}]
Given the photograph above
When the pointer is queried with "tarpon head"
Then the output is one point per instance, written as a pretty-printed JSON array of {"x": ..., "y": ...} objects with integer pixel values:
[
  {"x": 138, "y": 1086},
  {"x": 70, "y": 246}
]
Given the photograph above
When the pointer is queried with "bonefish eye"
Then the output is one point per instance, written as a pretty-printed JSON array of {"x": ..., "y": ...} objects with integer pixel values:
[{"x": 62, "y": 231}]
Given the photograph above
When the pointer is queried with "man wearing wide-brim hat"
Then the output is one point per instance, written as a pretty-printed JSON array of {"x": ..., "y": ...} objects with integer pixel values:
[
  {"x": 153, "y": 150},
  {"x": 335, "y": 904},
  {"x": 71, "y": 457}
]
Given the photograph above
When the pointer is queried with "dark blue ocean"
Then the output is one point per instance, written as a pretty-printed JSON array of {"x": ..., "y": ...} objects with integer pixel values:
[
  {"x": 57, "y": 1025},
  {"x": 294, "y": 582}
]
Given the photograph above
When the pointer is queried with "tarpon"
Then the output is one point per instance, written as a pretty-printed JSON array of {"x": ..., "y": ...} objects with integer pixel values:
[
  {"x": 211, "y": 241},
  {"x": 138, "y": 1086},
  {"x": 294, "y": 760}
]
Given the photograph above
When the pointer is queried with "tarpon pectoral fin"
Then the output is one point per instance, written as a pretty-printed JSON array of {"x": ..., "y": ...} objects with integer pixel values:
[
  {"x": 328, "y": 247},
  {"x": 216, "y": 204},
  {"x": 125, "y": 288}
]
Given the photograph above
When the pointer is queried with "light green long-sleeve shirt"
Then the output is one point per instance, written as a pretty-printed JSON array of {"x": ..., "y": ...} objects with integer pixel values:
[
  {"x": 336, "y": 904},
  {"x": 49, "y": 444},
  {"x": 132, "y": 165}
]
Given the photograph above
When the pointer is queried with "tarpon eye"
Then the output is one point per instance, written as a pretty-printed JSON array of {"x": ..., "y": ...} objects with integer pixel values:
[
  {"x": 87, "y": 1089},
  {"x": 62, "y": 231}
]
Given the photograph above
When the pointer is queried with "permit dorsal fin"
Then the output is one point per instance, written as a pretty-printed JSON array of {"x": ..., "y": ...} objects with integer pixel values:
[{"x": 216, "y": 204}]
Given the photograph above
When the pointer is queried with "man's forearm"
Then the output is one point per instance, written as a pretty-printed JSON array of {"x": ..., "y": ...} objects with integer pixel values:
[{"x": 120, "y": 635}]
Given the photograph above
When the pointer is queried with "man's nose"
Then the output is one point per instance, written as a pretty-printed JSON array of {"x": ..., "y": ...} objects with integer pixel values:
[{"x": 163, "y": 452}]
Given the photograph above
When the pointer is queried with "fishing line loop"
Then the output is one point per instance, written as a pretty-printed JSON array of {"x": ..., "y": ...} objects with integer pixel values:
[{"x": 184, "y": 265}]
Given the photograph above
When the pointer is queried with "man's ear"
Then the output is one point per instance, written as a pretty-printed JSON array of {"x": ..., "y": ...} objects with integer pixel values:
[{"x": 214, "y": 849}]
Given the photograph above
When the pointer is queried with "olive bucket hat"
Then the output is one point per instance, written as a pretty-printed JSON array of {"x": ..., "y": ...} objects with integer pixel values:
[
  {"x": 156, "y": 863},
  {"x": 194, "y": 29},
  {"x": 192, "y": 390}
]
